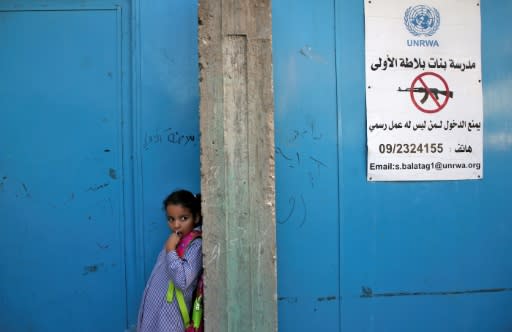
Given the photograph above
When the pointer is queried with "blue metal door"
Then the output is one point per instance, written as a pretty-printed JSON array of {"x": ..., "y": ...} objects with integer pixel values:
[
  {"x": 63, "y": 100},
  {"x": 360, "y": 256},
  {"x": 99, "y": 122}
]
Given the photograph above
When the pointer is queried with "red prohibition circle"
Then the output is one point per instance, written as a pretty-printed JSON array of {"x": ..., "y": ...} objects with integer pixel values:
[{"x": 440, "y": 106}]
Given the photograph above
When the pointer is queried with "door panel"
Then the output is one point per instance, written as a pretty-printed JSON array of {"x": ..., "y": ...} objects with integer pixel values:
[
  {"x": 424, "y": 256},
  {"x": 169, "y": 122},
  {"x": 61, "y": 170},
  {"x": 306, "y": 165}
]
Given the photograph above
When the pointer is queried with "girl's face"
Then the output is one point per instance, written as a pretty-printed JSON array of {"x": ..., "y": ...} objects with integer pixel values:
[{"x": 180, "y": 219}]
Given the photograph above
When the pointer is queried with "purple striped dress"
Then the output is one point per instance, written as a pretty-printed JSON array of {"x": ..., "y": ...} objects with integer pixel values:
[{"x": 155, "y": 314}]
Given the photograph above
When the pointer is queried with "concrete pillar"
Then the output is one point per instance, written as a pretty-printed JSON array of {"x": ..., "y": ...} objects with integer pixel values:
[{"x": 237, "y": 165}]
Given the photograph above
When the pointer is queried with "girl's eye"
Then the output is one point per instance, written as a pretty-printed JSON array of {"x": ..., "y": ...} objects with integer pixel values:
[{"x": 181, "y": 219}]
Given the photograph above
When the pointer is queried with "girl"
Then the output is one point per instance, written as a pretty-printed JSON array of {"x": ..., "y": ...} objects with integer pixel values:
[{"x": 158, "y": 312}]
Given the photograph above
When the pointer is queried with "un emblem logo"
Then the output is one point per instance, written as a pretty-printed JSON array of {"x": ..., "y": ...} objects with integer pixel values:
[{"x": 422, "y": 20}]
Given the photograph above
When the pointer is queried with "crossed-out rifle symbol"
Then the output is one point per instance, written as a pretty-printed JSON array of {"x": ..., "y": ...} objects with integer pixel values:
[{"x": 427, "y": 91}]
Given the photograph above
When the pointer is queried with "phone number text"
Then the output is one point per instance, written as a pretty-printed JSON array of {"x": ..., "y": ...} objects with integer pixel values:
[{"x": 411, "y": 148}]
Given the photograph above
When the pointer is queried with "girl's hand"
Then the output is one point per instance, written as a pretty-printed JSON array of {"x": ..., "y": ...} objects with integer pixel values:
[{"x": 172, "y": 242}]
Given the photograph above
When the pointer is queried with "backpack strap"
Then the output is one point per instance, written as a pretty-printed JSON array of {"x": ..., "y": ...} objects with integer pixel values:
[
  {"x": 180, "y": 250},
  {"x": 185, "y": 241},
  {"x": 183, "y": 307},
  {"x": 181, "y": 302}
]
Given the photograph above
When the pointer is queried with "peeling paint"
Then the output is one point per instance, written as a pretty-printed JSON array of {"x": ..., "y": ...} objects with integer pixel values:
[
  {"x": 91, "y": 268},
  {"x": 112, "y": 173}
]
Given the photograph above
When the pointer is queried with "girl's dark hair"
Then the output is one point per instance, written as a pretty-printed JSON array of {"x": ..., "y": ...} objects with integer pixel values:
[{"x": 186, "y": 199}]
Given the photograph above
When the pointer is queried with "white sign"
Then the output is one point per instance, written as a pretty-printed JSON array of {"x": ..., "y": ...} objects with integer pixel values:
[{"x": 423, "y": 90}]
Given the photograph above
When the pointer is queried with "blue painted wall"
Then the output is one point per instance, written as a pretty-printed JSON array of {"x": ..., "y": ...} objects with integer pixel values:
[{"x": 416, "y": 256}]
